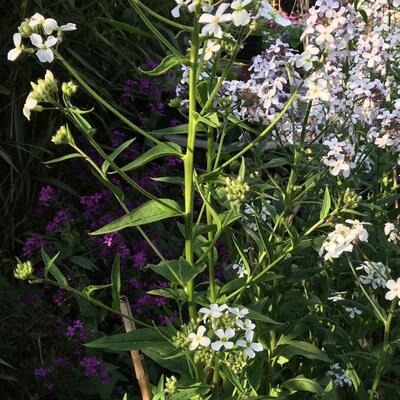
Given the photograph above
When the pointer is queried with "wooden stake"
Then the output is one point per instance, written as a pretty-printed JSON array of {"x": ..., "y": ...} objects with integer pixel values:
[{"x": 137, "y": 358}]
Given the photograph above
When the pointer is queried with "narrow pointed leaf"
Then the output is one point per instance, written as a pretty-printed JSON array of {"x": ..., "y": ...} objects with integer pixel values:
[
  {"x": 116, "y": 283},
  {"x": 152, "y": 211},
  {"x": 326, "y": 204},
  {"x": 168, "y": 63}
]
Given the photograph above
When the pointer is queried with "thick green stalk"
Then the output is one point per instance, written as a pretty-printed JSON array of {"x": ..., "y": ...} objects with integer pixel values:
[
  {"x": 188, "y": 159},
  {"x": 385, "y": 351},
  {"x": 211, "y": 269}
]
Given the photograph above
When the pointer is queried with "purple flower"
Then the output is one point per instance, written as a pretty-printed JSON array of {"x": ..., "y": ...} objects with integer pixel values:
[
  {"x": 118, "y": 138},
  {"x": 46, "y": 195},
  {"x": 139, "y": 259},
  {"x": 175, "y": 122},
  {"x": 30, "y": 299},
  {"x": 32, "y": 246},
  {"x": 60, "y": 218},
  {"x": 42, "y": 372},
  {"x": 93, "y": 367},
  {"x": 77, "y": 330},
  {"x": 61, "y": 361}
]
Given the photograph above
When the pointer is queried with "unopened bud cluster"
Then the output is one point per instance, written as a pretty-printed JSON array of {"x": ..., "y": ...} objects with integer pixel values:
[
  {"x": 236, "y": 189},
  {"x": 23, "y": 270},
  {"x": 351, "y": 199},
  {"x": 63, "y": 136},
  {"x": 171, "y": 384},
  {"x": 43, "y": 91},
  {"x": 69, "y": 88}
]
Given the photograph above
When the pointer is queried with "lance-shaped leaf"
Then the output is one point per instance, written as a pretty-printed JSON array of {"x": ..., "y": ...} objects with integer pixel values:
[
  {"x": 326, "y": 204},
  {"x": 159, "y": 150},
  {"x": 169, "y": 62},
  {"x": 116, "y": 283},
  {"x": 152, "y": 211},
  {"x": 303, "y": 384}
]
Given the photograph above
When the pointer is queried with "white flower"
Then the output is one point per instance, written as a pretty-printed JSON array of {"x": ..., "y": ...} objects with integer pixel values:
[
  {"x": 240, "y": 16},
  {"x": 45, "y": 53},
  {"x": 358, "y": 230},
  {"x": 240, "y": 269},
  {"x": 212, "y": 21},
  {"x": 306, "y": 59},
  {"x": 210, "y": 48},
  {"x": 249, "y": 347},
  {"x": 394, "y": 289},
  {"x": 49, "y": 24},
  {"x": 392, "y": 232},
  {"x": 336, "y": 296},
  {"x": 176, "y": 10},
  {"x": 325, "y": 34},
  {"x": 268, "y": 12},
  {"x": 352, "y": 311},
  {"x": 67, "y": 27},
  {"x": 247, "y": 325},
  {"x": 224, "y": 336},
  {"x": 13, "y": 54},
  {"x": 239, "y": 313},
  {"x": 338, "y": 375},
  {"x": 198, "y": 339},
  {"x": 376, "y": 274},
  {"x": 317, "y": 90},
  {"x": 215, "y": 311},
  {"x": 29, "y": 106}
]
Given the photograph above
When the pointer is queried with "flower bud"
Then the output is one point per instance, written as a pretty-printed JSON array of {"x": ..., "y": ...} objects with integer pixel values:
[
  {"x": 25, "y": 29},
  {"x": 236, "y": 190},
  {"x": 24, "y": 270},
  {"x": 171, "y": 384},
  {"x": 63, "y": 136},
  {"x": 175, "y": 103},
  {"x": 351, "y": 199},
  {"x": 69, "y": 88}
]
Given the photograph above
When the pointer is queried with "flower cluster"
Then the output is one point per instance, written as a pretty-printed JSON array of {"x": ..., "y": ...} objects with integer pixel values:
[
  {"x": 236, "y": 189},
  {"x": 40, "y": 32},
  {"x": 392, "y": 232},
  {"x": 226, "y": 329},
  {"x": 43, "y": 91},
  {"x": 343, "y": 238},
  {"x": 376, "y": 274},
  {"x": 23, "y": 270},
  {"x": 339, "y": 376}
]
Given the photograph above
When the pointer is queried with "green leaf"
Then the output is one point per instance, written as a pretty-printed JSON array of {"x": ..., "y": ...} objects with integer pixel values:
[
  {"x": 115, "y": 154},
  {"x": 302, "y": 384},
  {"x": 152, "y": 211},
  {"x": 210, "y": 119},
  {"x": 84, "y": 262},
  {"x": 88, "y": 290},
  {"x": 52, "y": 268},
  {"x": 173, "y": 180},
  {"x": 299, "y": 348},
  {"x": 116, "y": 283},
  {"x": 138, "y": 339},
  {"x": 176, "y": 271},
  {"x": 326, "y": 204},
  {"x": 261, "y": 317},
  {"x": 168, "y": 63},
  {"x": 242, "y": 170},
  {"x": 158, "y": 151},
  {"x": 63, "y": 158},
  {"x": 125, "y": 27}
]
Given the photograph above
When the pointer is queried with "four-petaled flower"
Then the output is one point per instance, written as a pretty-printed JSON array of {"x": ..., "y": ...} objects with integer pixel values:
[
  {"x": 240, "y": 17},
  {"x": 48, "y": 24},
  {"x": 249, "y": 346},
  {"x": 45, "y": 53},
  {"x": 212, "y": 21},
  {"x": 394, "y": 289},
  {"x": 210, "y": 48},
  {"x": 215, "y": 311},
  {"x": 224, "y": 336},
  {"x": 14, "y": 53},
  {"x": 247, "y": 325},
  {"x": 198, "y": 339}
]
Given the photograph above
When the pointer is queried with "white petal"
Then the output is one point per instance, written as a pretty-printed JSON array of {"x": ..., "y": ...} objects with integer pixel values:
[
  {"x": 175, "y": 12},
  {"x": 229, "y": 333},
  {"x": 257, "y": 346},
  {"x": 50, "y": 41},
  {"x": 390, "y": 295},
  {"x": 205, "y": 341},
  {"x": 201, "y": 330},
  {"x": 68, "y": 27},
  {"x": 13, "y": 54},
  {"x": 249, "y": 351},
  {"x": 216, "y": 346},
  {"x": 27, "y": 113},
  {"x": 219, "y": 333},
  {"x": 193, "y": 345},
  {"x": 206, "y": 18},
  {"x": 49, "y": 25},
  {"x": 241, "y": 343},
  {"x": 36, "y": 40},
  {"x": 228, "y": 345},
  {"x": 36, "y": 19},
  {"x": 45, "y": 55},
  {"x": 17, "y": 38},
  {"x": 249, "y": 336}
]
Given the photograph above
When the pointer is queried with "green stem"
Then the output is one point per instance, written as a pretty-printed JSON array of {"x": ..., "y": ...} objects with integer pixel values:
[
  {"x": 129, "y": 123},
  {"x": 385, "y": 351},
  {"x": 160, "y": 17},
  {"x": 211, "y": 269},
  {"x": 95, "y": 302},
  {"x": 260, "y": 137},
  {"x": 188, "y": 159}
]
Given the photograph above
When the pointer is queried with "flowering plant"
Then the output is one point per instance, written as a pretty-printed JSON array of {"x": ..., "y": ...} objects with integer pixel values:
[{"x": 299, "y": 184}]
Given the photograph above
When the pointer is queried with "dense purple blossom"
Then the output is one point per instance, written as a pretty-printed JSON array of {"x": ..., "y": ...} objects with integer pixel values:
[
  {"x": 62, "y": 217},
  {"x": 47, "y": 195},
  {"x": 93, "y": 367},
  {"x": 32, "y": 245},
  {"x": 42, "y": 372},
  {"x": 77, "y": 330}
]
